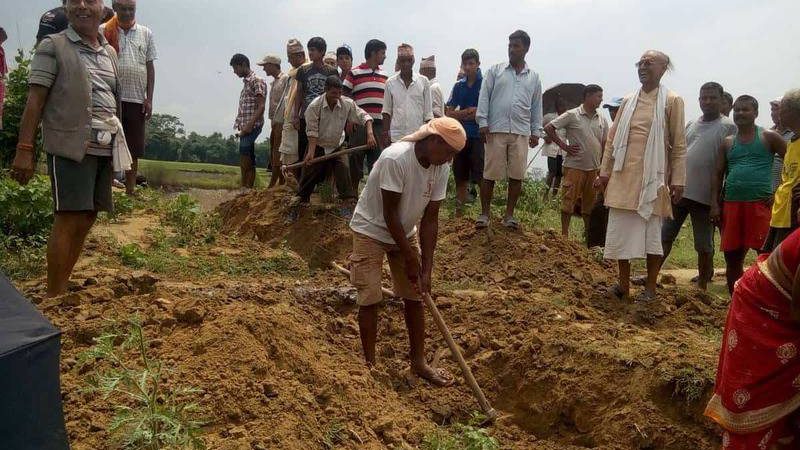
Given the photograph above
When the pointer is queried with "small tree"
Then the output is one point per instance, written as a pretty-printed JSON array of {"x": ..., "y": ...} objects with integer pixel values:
[{"x": 14, "y": 106}]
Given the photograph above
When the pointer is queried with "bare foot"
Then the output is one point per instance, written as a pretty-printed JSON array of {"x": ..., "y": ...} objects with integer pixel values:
[{"x": 438, "y": 377}]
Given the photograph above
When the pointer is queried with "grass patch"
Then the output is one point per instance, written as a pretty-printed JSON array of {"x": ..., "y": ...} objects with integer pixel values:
[
  {"x": 334, "y": 435},
  {"x": 687, "y": 383},
  {"x": 196, "y": 175},
  {"x": 461, "y": 437}
]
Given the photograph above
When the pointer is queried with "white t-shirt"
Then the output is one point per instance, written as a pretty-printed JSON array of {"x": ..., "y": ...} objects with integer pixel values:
[{"x": 398, "y": 170}]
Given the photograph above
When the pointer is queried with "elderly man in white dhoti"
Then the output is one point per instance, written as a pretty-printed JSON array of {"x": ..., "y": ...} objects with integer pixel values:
[{"x": 643, "y": 171}]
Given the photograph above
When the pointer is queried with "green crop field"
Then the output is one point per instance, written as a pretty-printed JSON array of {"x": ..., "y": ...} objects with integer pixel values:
[{"x": 196, "y": 175}]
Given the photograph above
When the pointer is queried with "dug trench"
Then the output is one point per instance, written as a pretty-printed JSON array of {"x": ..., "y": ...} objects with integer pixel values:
[{"x": 278, "y": 359}]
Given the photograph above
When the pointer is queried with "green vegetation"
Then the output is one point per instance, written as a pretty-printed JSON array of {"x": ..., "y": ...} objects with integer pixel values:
[
  {"x": 198, "y": 175},
  {"x": 27, "y": 214},
  {"x": 532, "y": 208},
  {"x": 123, "y": 207},
  {"x": 14, "y": 105},
  {"x": 688, "y": 383},
  {"x": 334, "y": 434},
  {"x": 167, "y": 141},
  {"x": 181, "y": 247},
  {"x": 150, "y": 413},
  {"x": 461, "y": 437}
]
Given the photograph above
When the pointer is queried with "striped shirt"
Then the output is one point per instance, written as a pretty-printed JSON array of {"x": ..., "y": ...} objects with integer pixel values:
[
  {"x": 367, "y": 87},
  {"x": 44, "y": 69}
]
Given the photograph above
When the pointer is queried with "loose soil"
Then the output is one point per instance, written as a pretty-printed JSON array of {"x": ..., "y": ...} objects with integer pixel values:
[{"x": 278, "y": 357}]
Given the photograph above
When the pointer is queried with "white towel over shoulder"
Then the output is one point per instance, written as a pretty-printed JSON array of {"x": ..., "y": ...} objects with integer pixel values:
[{"x": 654, "y": 153}]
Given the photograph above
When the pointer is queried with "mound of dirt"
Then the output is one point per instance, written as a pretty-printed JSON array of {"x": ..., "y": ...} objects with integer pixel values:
[
  {"x": 566, "y": 362},
  {"x": 319, "y": 235},
  {"x": 278, "y": 358}
]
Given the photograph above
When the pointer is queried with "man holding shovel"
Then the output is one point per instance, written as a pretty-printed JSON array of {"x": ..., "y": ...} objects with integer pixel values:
[
  {"x": 405, "y": 188},
  {"x": 325, "y": 120}
]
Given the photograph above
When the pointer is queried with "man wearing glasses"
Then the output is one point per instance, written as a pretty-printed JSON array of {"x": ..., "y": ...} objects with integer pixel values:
[{"x": 643, "y": 172}]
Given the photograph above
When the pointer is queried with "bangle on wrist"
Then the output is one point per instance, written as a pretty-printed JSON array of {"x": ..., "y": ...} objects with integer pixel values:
[{"x": 25, "y": 147}]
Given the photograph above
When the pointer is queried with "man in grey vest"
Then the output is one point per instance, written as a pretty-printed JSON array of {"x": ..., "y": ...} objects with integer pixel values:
[{"x": 73, "y": 93}]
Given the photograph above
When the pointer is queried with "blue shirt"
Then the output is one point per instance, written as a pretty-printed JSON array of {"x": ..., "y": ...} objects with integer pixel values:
[
  {"x": 465, "y": 96},
  {"x": 511, "y": 102}
]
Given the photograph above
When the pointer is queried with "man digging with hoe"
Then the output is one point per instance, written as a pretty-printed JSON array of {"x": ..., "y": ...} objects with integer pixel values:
[{"x": 405, "y": 188}]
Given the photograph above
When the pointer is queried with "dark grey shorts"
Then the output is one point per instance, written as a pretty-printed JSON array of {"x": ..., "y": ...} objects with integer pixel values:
[
  {"x": 81, "y": 186},
  {"x": 701, "y": 224}
]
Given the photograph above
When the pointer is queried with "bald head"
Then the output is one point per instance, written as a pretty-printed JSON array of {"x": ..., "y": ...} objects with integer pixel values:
[
  {"x": 651, "y": 68},
  {"x": 790, "y": 110}
]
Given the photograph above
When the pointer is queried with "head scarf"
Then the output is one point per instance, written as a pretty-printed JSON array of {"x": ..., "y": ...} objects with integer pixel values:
[
  {"x": 447, "y": 128},
  {"x": 330, "y": 58}
]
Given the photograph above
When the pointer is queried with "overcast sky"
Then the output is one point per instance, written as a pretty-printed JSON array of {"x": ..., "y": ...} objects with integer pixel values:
[{"x": 749, "y": 47}]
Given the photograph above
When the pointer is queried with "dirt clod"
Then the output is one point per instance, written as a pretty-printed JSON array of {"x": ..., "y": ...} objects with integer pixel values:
[{"x": 190, "y": 312}]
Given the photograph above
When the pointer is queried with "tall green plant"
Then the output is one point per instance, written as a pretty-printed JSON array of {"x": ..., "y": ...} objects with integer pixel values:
[
  {"x": 25, "y": 211},
  {"x": 14, "y": 106},
  {"x": 148, "y": 416}
]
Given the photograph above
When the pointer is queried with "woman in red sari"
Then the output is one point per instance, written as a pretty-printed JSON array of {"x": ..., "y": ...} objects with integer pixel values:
[{"x": 757, "y": 392}]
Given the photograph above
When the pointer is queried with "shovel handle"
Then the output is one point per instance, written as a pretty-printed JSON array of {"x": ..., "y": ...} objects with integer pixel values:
[
  {"x": 332, "y": 155},
  {"x": 490, "y": 412}
]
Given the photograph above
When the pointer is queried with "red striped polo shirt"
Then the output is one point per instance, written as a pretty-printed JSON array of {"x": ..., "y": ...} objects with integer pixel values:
[{"x": 366, "y": 88}]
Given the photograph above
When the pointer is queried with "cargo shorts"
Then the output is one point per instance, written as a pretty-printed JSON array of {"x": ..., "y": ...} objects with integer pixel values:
[{"x": 366, "y": 269}]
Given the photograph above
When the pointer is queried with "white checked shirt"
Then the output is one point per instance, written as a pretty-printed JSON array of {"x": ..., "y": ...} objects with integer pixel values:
[
  {"x": 136, "y": 49},
  {"x": 409, "y": 107}
]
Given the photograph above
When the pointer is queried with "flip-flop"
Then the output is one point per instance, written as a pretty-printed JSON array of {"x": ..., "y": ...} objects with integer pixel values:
[
  {"x": 482, "y": 222},
  {"x": 511, "y": 223}
]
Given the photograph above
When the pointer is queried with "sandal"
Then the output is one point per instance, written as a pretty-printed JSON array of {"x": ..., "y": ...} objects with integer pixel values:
[
  {"x": 511, "y": 223},
  {"x": 482, "y": 222},
  {"x": 441, "y": 377}
]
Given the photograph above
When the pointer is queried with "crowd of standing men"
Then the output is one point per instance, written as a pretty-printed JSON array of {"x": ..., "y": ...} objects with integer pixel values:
[{"x": 649, "y": 169}]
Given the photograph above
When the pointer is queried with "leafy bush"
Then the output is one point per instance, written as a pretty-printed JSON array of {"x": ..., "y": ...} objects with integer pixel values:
[
  {"x": 148, "y": 417},
  {"x": 190, "y": 224},
  {"x": 14, "y": 105},
  {"x": 183, "y": 214},
  {"x": 27, "y": 211},
  {"x": 123, "y": 206}
]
